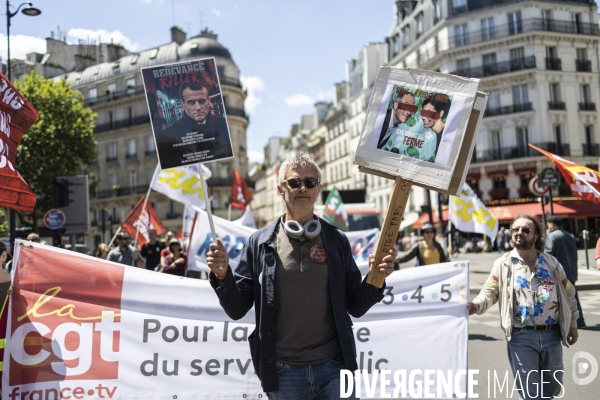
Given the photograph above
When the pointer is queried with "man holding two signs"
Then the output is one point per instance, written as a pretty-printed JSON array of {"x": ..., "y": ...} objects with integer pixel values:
[{"x": 301, "y": 278}]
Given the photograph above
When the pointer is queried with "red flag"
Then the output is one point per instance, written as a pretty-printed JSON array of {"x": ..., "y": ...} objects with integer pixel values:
[
  {"x": 16, "y": 117},
  {"x": 141, "y": 220},
  {"x": 240, "y": 194},
  {"x": 584, "y": 181}
]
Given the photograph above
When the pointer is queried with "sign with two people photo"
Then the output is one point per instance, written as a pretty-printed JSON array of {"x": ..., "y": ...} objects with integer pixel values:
[
  {"x": 420, "y": 127},
  {"x": 188, "y": 113}
]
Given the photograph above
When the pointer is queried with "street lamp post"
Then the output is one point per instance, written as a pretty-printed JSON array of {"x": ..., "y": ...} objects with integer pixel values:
[{"x": 31, "y": 12}]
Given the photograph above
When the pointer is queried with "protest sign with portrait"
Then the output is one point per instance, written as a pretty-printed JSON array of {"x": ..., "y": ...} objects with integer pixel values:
[
  {"x": 416, "y": 126},
  {"x": 187, "y": 112}
]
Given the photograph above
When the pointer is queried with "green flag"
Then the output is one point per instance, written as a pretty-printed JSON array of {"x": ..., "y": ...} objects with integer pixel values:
[{"x": 334, "y": 212}]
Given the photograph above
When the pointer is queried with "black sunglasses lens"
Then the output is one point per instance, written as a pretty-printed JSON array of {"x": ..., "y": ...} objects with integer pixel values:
[
  {"x": 310, "y": 183},
  {"x": 294, "y": 183}
]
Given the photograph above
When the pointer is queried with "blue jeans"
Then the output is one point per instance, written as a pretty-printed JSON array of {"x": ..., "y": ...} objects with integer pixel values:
[
  {"x": 530, "y": 352},
  {"x": 308, "y": 382}
]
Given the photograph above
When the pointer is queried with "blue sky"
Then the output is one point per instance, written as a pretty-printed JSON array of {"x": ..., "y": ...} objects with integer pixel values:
[{"x": 290, "y": 53}]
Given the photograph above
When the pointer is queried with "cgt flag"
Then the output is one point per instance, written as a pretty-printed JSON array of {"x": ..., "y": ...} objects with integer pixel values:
[
  {"x": 240, "y": 196},
  {"x": 16, "y": 117},
  {"x": 584, "y": 181},
  {"x": 334, "y": 212},
  {"x": 468, "y": 214},
  {"x": 140, "y": 220}
]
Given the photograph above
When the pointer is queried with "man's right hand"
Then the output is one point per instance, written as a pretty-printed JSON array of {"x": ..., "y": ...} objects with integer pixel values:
[
  {"x": 217, "y": 259},
  {"x": 472, "y": 307}
]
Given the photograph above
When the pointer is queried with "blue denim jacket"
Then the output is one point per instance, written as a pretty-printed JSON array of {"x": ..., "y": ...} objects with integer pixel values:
[{"x": 253, "y": 284}]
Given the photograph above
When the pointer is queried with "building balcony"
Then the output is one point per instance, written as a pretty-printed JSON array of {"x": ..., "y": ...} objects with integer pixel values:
[
  {"x": 526, "y": 25},
  {"x": 111, "y": 159},
  {"x": 515, "y": 108},
  {"x": 554, "y": 64},
  {"x": 557, "y": 105},
  {"x": 225, "y": 80},
  {"x": 591, "y": 149},
  {"x": 238, "y": 112},
  {"x": 506, "y": 153},
  {"x": 497, "y": 68},
  {"x": 123, "y": 123},
  {"x": 583, "y": 65},
  {"x": 150, "y": 153},
  {"x": 121, "y": 191},
  {"x": 587, "y": 106},
  {"x": 113, "y": 96},
  {"x": 173, "y": 215},
  {"x": 473, "y": 5},
  {"x": 131, "y": 156}
]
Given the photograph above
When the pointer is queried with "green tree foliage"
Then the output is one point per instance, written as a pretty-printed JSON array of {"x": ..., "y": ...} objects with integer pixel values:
[
  {"x": 60, "y": 143},
  {"x": 3, "y": 222}
]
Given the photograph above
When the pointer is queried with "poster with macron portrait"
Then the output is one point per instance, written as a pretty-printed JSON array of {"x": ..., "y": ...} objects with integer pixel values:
[
  {"x": 187, "y": 111},
  {"x": 421, "y": 126}
]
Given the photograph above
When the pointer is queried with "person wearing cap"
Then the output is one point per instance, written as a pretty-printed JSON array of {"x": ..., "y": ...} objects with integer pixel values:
[
  {"x": 538, "y": 310},
  {"x": 175, "y": 263},
  {"x": 427, "y": 251},
  {"x": 301, "y": 278},
  {"x": 562, "y": 245}
]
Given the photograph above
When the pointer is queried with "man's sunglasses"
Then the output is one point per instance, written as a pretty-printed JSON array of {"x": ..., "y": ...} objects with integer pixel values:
[
  {"x": 524, "y": 230},
  {"x": 295, "y": 183}
]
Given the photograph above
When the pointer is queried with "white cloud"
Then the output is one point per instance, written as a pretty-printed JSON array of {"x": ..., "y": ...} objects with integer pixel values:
[
  {"x": 254, "y": 85},
  {"x": 256, "y": 156},
  {"x": 20, "y": 45},
  {"x": 325, "y": 95},
  {"x": 105, "y": 37},
  {"x": 299, "y": 99},
  {"x": 215, "y": 11}
]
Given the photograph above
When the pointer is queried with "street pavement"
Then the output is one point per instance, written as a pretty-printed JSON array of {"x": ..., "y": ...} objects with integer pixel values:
[{"x": 487, "y": 343}]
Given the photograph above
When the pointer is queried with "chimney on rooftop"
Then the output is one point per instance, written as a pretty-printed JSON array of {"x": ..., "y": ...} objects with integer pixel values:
[{"x": 178, "y": 35}]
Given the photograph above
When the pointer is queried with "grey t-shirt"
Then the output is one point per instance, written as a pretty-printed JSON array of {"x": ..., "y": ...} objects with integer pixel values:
[
  {"x": 305, "y": 331},
  {"x": 122, "y": 257}
]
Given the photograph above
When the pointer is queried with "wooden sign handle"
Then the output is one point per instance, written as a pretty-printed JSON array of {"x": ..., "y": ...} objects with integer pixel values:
[{"x": 390, "y": 228}]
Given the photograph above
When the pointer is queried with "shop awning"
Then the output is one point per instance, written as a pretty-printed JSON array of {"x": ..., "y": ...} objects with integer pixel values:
[
  {"x": 506, "y": 214},
  {"x": 425, "y": 218}
]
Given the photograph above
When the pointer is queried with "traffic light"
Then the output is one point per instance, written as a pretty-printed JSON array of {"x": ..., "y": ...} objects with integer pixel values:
[{"x": 60, "y": 192}]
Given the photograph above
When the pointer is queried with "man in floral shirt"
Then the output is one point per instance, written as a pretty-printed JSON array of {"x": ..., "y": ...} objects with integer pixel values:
[{"x": 537, "y": 310}]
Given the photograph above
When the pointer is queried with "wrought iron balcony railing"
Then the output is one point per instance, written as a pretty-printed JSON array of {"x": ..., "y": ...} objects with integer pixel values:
[
  {"x": 497, "y": 68},
  {"x": 554, "y": 64},
  {"x": 583, "y": 65},
  {"x": 557, "y": 105},
  {"x": 515, "y": 108}
]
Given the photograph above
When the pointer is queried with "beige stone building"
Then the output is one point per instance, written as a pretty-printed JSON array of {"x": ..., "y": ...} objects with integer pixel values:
[{"x": 109, "y": 78}]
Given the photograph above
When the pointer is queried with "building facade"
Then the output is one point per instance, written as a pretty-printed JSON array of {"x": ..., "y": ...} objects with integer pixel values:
[
  {"x": 539, "y": 63},
  {"x": 109, "y": 78},
  {"x": 538, "y": 60}
]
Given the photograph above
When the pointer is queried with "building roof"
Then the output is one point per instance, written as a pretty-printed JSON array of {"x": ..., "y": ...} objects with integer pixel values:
[{"x": 203, "y": 45}]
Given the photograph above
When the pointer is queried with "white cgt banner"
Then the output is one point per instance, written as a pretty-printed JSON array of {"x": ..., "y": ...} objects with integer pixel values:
[
  {"x": 234, "y": 236},
  {"x": 82, "y": 328}
]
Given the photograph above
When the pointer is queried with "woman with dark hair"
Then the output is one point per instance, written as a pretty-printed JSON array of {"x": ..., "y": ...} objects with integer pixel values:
[
  {"x": 428, "y": 251},
  {"x": 175, "y": 263}
]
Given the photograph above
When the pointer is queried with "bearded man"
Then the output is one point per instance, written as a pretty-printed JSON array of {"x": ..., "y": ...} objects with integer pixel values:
[{"x": 537, "y": 310}]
